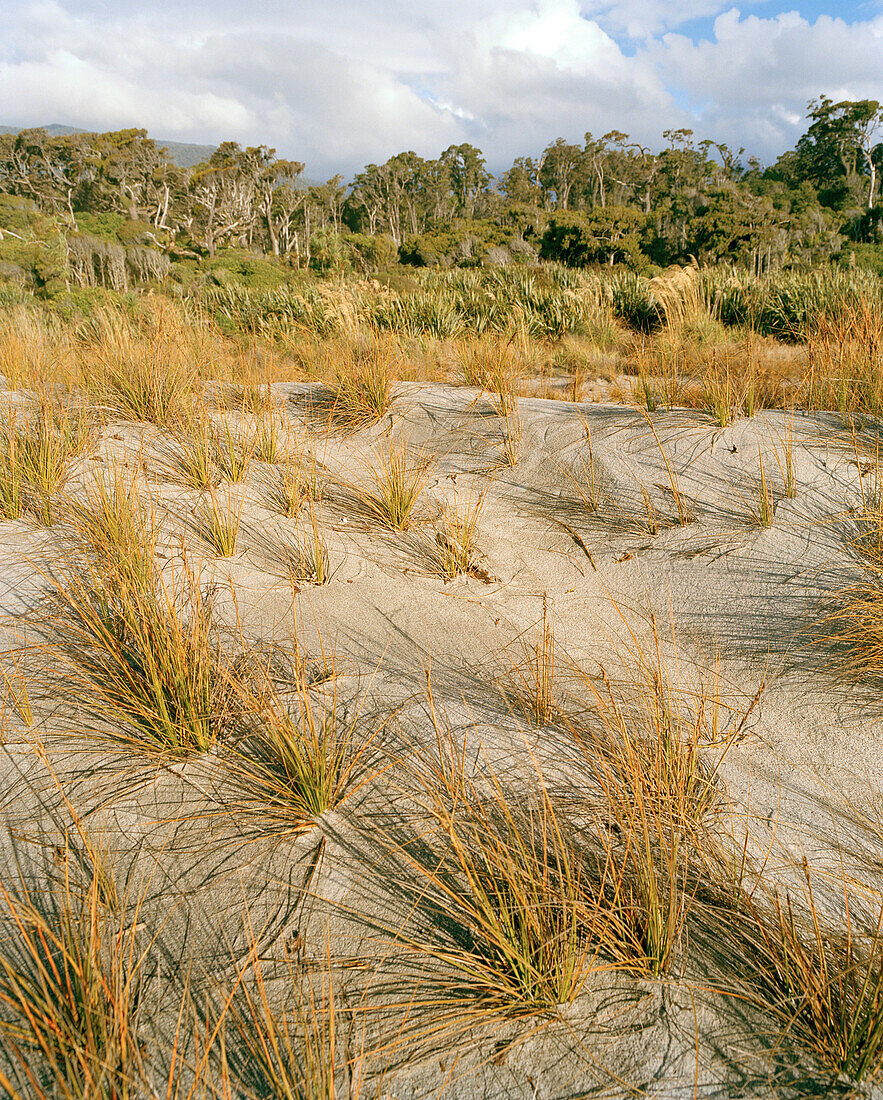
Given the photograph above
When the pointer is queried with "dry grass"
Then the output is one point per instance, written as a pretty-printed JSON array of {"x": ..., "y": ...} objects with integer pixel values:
[
  {"x": 821, "y": 982},
  {"x": 525, "y": 927},
  {"x": 398, "y": 478},
  {"x": 492, "y": 364},
  {"x": 36, "y": 352},
  {"x": 299, "y": 756},
  {"x": 144, "y": 663},
  {"x": 115, "y": 527},
  {"x": 269, "y": 437},
  {"x": 217, "y": 523},
  {"x": 189, "y": 459},
  {"x": 36, "y": 449},
  {"x": 683, "y": 508},
  {"x": 298, "y": 480},
  {"x": 509, "y": 438},
  {"x": 762, "y": 508},
  {"x": 585, "y": 476},
  {"x": 530, "y": 684},
  {"x": 361, "y": 376},
  {"x": 298, "y": 560},
  {"x": 233, "y": 450},
  {"x": 73, "y": 977},
  {"x": 643, "y": 744},
  {"x": 453, "y": 548},
  {"x": 147, "y": 370}
]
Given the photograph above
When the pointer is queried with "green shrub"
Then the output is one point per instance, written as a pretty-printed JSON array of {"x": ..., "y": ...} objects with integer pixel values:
[
  {"x": 371, "y": 253},
  {"x": 237, "y": 265}
]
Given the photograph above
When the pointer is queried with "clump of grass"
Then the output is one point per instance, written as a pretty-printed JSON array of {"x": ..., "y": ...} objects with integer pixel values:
[
  {"x": 217, "y": 523},
  {"x": 233, "y": 452},
  {"x": 719, "y": 394},
  {"x": 585, "y": 477},
  {"x": 146, "y": 371},
  {"x": 531, "y": 682},
  {"x": 683, "y": 509},
  {"x": 362, "y": 382},
  {"x": 510, "y": 879},
  {"x": 72, "y": 995},
  {"x": 765, "y": 504},
  {"x": 246, "y": 397},
  {"x": 298, "y": 758},
  {"x": 521, "y": 913},
  {"x": 300, "y": 559},
  {"x": 491, "y": 363},
  {"x": 785, "y": 460},
  {"x": 36, "y": 448},
  {"x": 452, "y": 551},
  {"x": 822, "y": 984},
  {"x": 509, "y": 439},
  {"x": 298, "y": 480},
  {"x": 191, "y": 459},
  {"x": 398, "y": 481},
  {"x": 268, "y": 440},
  {"x": 650, "y": 513},
  {"x": 284, "y": 490},
  {"x": 144, "y": 663},
  {"x": 643, "y": 746},
  {"x": 115, "y": 527}
]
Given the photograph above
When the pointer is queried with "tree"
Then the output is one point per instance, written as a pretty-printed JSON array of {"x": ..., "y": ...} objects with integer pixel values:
[
  {"x": 467, "y": 175},
  {"x": 837, "y": 152},
  {"x": 607, "y": 234},
  {"x": 560, "y": 166}
]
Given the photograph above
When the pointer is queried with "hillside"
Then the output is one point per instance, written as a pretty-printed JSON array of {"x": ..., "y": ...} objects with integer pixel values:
[{"x": 184, "y": 154}]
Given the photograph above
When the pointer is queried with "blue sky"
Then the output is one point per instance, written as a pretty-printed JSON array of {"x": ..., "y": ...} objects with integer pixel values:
[{"x": 338, "y": 83}]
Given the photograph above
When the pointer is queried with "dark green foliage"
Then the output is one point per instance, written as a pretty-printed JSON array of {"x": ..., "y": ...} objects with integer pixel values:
[
  {"x": 609, "y": 234},
  {"x": 237, "y": 265}
]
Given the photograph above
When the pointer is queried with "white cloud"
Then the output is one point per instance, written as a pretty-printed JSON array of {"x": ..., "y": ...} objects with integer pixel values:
[
  {"x": 754, "y": 78},
  {"x": 340, "y": 82}
]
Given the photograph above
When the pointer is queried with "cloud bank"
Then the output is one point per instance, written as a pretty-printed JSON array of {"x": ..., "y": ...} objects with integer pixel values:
[{"x": 339, "y": 83}]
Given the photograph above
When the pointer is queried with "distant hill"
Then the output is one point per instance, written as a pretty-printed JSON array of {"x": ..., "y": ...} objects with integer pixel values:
[{"x": 181, "y": 153}]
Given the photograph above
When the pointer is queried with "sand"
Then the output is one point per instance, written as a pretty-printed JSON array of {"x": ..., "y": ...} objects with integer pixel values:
[{"x": 736, "y": 603}]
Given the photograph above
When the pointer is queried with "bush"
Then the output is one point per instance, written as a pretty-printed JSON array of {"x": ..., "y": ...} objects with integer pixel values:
[
  {"x": 237, "y": 265},
  {"x": 609, "y": 234},
  {"x": 371, "y": 253},
  {"x": 37, "y": 254}
]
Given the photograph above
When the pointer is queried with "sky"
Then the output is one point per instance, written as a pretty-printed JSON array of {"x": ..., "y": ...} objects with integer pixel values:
[{"x": 342, "y": 83}]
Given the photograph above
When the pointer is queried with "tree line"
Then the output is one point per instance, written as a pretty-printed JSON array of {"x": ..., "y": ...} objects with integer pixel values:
[{"x": 604, "y": 200}]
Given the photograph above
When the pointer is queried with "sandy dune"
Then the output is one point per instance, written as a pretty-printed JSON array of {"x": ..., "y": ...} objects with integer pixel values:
[{"x": 677, "y": 543}]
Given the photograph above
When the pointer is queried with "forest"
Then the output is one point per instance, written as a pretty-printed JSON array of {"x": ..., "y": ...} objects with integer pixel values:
[{"x": 113, "y": 210}]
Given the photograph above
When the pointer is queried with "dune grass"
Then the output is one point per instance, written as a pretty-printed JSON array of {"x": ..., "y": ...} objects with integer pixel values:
[
  {"x": 73, "y": 978},
  {"x": 453, "y": 548},
  {"x": 299, "y": 756},
  {"x": 298, "y": 559},
  {"x": 507, "y": 885},
  {"x": 143, "y": 662},
  {"x": 146, "y": 370},
  {"x": 298, "y": 480},
  {"x": 217, "y": 521},
  {"x": 819, "y": 978},
  {"x": 37, "y": 446},
  {"x": 530, "y": 684},
  {"x": 115, "y": 526},
  {"x": 361, "y": 376},
  {"x": 398, "y": 479}
]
